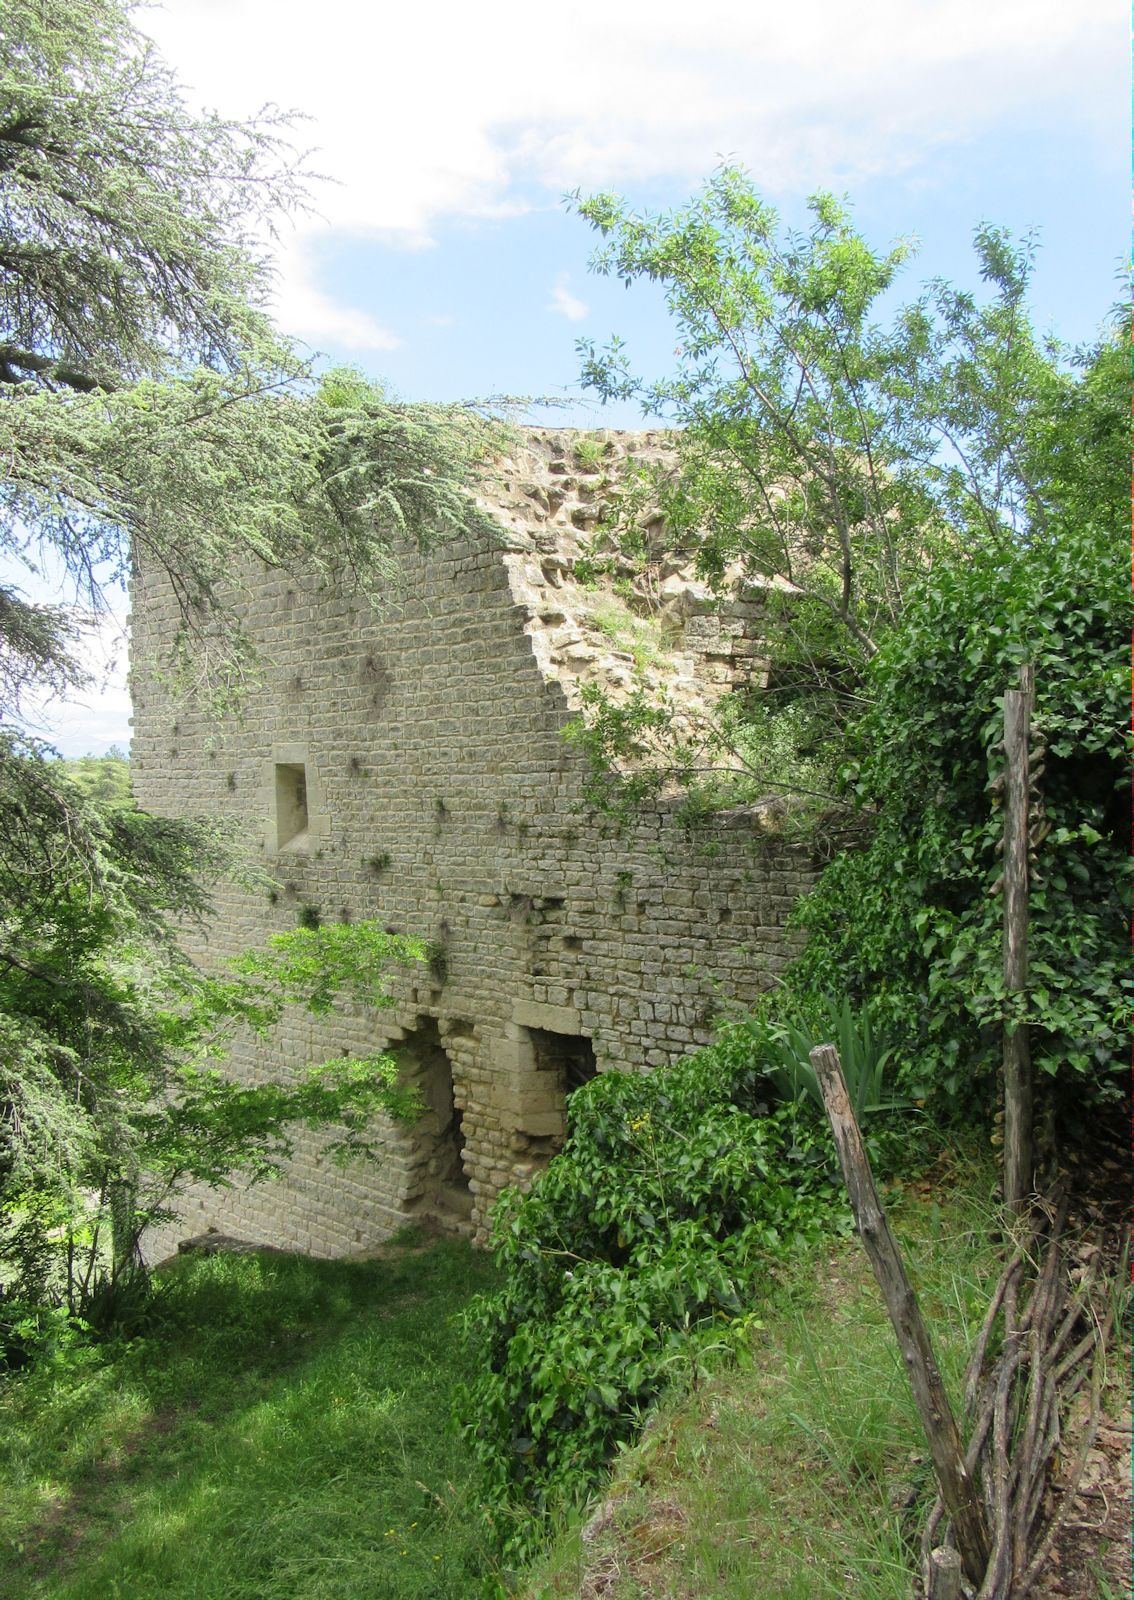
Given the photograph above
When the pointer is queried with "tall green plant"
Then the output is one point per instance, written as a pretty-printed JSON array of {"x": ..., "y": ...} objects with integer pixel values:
[
  {"x": 914, "y": 921},
  {"x": 792, "y": 1036}
]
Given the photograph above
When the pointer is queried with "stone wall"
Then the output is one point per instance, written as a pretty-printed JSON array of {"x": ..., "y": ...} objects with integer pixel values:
[{"x": 408, "y": 766}]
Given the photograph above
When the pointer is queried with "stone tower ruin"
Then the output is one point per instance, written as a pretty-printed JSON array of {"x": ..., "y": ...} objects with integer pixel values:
[{"x": 408, "y": 765}]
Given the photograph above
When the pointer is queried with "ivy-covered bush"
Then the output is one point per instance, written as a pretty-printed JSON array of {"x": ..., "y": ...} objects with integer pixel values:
[
  {"x": 914, "y": 921},
  {"x": 633, "y": 1255}
]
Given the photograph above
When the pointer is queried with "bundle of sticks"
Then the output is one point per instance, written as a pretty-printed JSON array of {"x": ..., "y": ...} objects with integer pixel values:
[{"x": 1043, "y": 1338}]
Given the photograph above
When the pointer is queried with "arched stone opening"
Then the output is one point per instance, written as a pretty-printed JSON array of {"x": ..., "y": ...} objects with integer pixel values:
[
  {"x": 544, "y": 1057},
  {"x": 571, "y": 1057},
  {"x": 437, "y": 1183}
]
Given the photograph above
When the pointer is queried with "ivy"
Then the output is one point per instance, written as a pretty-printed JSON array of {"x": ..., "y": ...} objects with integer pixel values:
[{"x": 915, "y": 921}]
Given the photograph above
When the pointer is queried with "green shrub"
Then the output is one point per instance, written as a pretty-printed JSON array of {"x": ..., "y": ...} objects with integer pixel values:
[
  {"x": 915, "y": 921},
  {"x": 44, "y": 1335},
  {"x": 634, "y": 1255}
]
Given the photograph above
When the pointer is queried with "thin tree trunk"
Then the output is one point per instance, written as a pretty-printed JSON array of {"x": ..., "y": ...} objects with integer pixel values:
[
  {"x": 1017, "y": 1053},
  {"x": 958, "y": 1489}
]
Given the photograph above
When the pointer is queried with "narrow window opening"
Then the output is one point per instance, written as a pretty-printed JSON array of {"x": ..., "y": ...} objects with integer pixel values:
[{"x": 291, "y": 804}]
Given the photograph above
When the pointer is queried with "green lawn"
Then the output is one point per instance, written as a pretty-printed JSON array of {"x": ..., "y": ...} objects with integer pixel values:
[{"x": 279, "y": 1430}]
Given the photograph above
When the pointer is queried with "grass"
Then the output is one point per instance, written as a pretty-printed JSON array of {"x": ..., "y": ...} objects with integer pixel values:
[
  {"x": 638, "y": 637},
  {"x": 280, "y": 1429},
  {"x": 802, "y": 1475},
  {"x": 591, "y": 452}
]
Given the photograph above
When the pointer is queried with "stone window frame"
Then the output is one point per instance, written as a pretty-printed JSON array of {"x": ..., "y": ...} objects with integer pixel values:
[
  {"x": 533, "y": 1101},
  {"x": 318, "y": 828}
]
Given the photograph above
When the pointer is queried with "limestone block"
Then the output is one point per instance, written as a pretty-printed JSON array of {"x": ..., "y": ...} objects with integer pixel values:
[
  {"x": 537, "y": 1091},
  {"x": 511, "y": 1056},
  {"x": 550, "y": 1018},
  {"x": 544, "y": 1124}
]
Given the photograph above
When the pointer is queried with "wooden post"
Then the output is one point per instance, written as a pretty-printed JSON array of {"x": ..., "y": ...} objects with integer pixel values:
[
  {"x": 1017, "y": 1053},
  {"x": 958, "y": 1490},
  {"x": 944, "y": 1575}
]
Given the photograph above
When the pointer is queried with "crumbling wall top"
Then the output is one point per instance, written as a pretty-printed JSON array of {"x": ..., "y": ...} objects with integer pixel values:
[{"x": 596, "y": 616}]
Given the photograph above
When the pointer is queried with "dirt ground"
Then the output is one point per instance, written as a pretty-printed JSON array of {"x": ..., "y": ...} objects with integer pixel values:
[{"x": 1091, "y": 1559}]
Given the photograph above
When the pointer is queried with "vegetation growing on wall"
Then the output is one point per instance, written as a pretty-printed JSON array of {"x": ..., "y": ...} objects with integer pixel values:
[
  {"x": 833, "y": 462},
  {"x": 933, "y": 504}
]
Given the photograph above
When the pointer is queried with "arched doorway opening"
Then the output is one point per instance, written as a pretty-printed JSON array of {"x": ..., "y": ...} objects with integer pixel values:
[{"x": 438, "y": 1185}]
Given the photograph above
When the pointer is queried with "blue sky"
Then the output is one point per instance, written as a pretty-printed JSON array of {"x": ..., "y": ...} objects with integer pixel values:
[{"x": 443, "y": 259}]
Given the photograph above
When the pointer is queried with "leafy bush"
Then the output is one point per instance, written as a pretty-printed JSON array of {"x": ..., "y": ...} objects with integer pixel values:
[
  {"x": 914, "y": 920},
  {"x": 46, "y": 1335},
  {"x": 633, "y": 1255}
]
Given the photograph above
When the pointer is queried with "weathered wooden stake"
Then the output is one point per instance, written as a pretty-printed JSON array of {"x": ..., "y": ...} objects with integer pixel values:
[
  {"x": 944, "y": 1575},
  {"x": 1017, "y": 1052},
  {"x": 958, "y": 1490}
]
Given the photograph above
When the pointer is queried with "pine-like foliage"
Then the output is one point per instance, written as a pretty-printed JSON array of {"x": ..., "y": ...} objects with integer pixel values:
[{"x": 150, "y": 415}]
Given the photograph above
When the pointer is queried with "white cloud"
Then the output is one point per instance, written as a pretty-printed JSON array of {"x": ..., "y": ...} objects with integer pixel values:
[
  {"x": 505, "y": 106},
  {"x": 306, "y": 312},
  {"x": 564, "y": 303}
]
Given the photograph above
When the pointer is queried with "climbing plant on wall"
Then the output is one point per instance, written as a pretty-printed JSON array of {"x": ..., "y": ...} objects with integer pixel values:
[{"x": 915, "y": 919}]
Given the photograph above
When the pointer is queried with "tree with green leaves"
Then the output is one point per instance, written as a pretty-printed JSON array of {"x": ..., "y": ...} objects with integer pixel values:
[
  {"x": 149, "y": 413},
  {"x": 825, "y": 462},
  {"x": 926, "y": 502},
  {"x": 912, "y": 922},
  {"x": 113, "y": 1096},
  {"x": 105, "y": 778}
]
